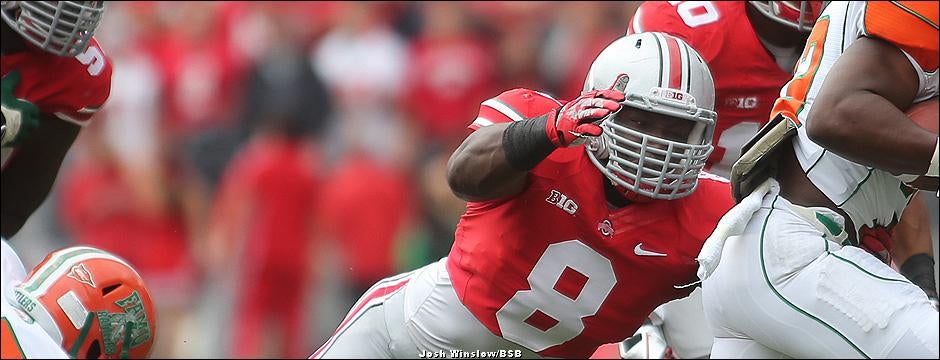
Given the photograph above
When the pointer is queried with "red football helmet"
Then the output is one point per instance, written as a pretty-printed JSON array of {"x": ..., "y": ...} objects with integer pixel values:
[
  {"x": 92, "y": 302},
  {"x": 800, "y": 15}
]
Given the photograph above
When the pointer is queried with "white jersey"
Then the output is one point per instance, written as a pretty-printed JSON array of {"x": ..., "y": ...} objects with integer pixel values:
[
  {"x": 22, "y": 337},
  {"x": 871, "y": 197}
]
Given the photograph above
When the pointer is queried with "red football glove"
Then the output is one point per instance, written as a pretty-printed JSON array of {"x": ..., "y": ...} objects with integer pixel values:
[
  {"x": 570, "y": 124},
  {"x": 877, "y": 241}
]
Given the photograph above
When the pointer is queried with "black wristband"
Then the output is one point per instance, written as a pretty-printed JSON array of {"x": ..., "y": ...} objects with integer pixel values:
[
  {"x": 919, "y": 270},
  {"x": 526, "y": 144}
]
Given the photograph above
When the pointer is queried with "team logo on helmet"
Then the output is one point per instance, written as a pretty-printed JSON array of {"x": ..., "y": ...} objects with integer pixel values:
[
  {"x": 621, "y": 83},
  {"x": 131, "y": 326},
  {"x": 81, "y": 274}
]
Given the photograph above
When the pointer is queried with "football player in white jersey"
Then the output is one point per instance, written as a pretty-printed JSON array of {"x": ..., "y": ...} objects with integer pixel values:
[
  {"x": 79, "y": 302},
  {"x": 831, "y": 165},
  {"x": 22, "y": 337},
  {"x": 749, "y": 31}
]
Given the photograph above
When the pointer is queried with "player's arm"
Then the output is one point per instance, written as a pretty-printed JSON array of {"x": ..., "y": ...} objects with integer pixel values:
[
  {"x": 494, "y": 160},
  {"x": 30, "y": 172},
  {"x": 857, "y": 113},
  {"x": 912, "y": 248}
]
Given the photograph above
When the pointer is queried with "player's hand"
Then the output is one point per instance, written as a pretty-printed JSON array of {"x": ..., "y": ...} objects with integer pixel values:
[
  {"x": 576, "y": 120},
  {"x": 20, "y": 117},
  {"x": 877, "y": 241}
]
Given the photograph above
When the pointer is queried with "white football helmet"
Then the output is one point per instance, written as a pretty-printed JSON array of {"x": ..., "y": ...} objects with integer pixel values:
[
  {"x": 661, "y": 74},
  {"x": 63, "y": 28}
]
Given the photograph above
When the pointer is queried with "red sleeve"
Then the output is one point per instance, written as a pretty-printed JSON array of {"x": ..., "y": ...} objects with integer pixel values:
[
  {"x": 70, "y": 88},
  {"x": 513, "y": 105},
  {"x": 89, "y": 87},
  {"x": 658, "y": 16}
]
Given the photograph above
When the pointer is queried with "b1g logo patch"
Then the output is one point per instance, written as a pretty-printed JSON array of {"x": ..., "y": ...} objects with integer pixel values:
[
  {"x": 81, "y": 274},
  {"x": 562, "y": 202}
]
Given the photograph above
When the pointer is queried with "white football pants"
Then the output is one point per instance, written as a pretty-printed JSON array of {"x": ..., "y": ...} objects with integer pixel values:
[
  {"x": 415, "y": 315},
  {"x": 782, "y": 289}
]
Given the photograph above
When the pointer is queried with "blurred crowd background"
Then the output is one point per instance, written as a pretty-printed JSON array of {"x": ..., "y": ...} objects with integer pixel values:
[{"x": 262, "y": 164}]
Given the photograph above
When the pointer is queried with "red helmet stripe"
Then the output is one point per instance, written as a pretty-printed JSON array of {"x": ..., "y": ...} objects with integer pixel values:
[{"x": 675, "y": 63}]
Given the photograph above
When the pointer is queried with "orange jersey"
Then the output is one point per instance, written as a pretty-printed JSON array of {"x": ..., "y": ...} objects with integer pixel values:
[
  {"x": 871, "y": 197},
  {"x": 909, "y": 25}
]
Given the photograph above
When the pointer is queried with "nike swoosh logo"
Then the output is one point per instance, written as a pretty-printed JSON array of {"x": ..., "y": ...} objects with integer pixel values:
[{"x": 639, "y": 251}]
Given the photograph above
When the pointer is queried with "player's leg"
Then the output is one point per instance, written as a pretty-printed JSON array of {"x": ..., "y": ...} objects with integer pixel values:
[
  {"x": 784, "y": 285},
  {"x": 437, "y": 322},
  {"x": 248, "y": 330},
  {"x": 292, "y": 317},
  {"x": 412, "y": 315},
  {"x": 364, "y": 332}
]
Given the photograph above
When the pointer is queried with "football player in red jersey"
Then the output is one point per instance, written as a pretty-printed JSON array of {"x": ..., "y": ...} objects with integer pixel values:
[
  {"x": 832, "y": 165},
  {"x": 752, "y": 48},
  {"x": 55, "y": 76},
  {"x": 554, "y": 254}
]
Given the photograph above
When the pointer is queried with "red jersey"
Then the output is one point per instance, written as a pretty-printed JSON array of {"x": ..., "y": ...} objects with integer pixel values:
[
  {"x": 747, "y": 77},
  {"x": 355, "y": 210},
  {"x": 558, "y": 271},
  {"x": 71, "y": 88},
  {"x": 279, "y": 179},
  {"x": 448, "y": 78}
]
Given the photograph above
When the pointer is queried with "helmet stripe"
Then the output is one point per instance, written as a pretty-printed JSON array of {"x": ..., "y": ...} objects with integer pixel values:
[
  {"x": 687, "y": 71},
  {"x": 53, "y": 268},
  {"x": 675, "y": 63},
  {"x": 659, "y": 46},
  {"x": 46, "y": 268}
]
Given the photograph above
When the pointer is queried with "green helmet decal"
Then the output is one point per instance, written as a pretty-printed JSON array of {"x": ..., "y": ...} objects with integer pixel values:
[{"x": 132, "y": 325}]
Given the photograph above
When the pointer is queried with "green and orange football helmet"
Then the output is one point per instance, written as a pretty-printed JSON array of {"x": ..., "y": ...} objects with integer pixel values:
[{"x": 92, "y": 302}]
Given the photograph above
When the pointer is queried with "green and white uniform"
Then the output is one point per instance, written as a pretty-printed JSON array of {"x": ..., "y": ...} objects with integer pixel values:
[
  {"x": 22, "y": 337},
  {"x": 787, "y": 285}
]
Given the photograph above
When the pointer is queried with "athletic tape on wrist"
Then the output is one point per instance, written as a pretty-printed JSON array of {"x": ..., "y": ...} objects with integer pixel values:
[
  {"x": 919, "y": 270},
  {"x": 526, "y": 144}
]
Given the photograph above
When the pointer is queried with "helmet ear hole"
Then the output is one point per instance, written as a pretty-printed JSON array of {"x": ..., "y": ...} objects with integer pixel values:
[
  {"x": 94, "y": 350},
  {"x": 108, "y": 289}
]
